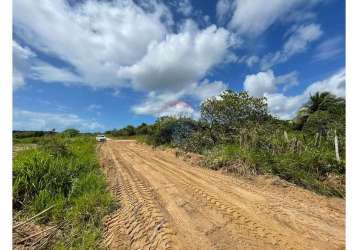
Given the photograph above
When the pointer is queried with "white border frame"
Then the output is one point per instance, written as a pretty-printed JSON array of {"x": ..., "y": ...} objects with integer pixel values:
[{"x": 6, "y": 123}]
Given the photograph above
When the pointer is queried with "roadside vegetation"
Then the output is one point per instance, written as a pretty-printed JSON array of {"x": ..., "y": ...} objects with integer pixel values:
[
  {"x": 236, "y": 133},
  {"x": 61, "y": 173}
]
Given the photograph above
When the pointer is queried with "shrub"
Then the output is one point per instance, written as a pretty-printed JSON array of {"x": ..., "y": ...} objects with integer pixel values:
[{"x": 71, "y": 132}]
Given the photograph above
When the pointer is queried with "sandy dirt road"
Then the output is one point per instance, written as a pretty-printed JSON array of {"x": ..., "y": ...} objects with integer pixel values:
[{"x": 164, "y": 203}]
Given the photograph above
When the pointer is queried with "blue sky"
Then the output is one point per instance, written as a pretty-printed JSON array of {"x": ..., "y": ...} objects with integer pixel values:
[{"x": 99, "y": 65}]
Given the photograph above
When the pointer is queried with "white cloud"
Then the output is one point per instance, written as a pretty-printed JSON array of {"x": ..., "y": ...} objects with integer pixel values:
[
  {"x": 283, "y": 106},
  {"x": 223, "y": 8},
  {"x": 29, "y": 120},
  {"x": 329, "y": 49},
  {"x": 119, "y": 44},
  {"x": 26, "y": 64},
  {"x": 185, "y": 7},
  {"x": 250, "y": 61},
  {"x": 96, "y": 38},
  {"x": 21, "y": 57},
  {"x": 18, "y": 79},
  {"x": 179, "y": 60},
  {"x": 263, "y": 82},
  {"x": 171, "y": 103},
  {"x": 253, "y": 17},
  {"x": 335, "y": 84},
  {"x": 207, "y": 89},
  {"x": 48, "y": 73},
  {"x": 296, "y": 43},
  {"x": 163, "y": 104},
  {"x": 266, "y": 82}
]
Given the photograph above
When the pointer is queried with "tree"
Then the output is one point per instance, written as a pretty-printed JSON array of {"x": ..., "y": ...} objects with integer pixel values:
[
  {"x": 231, "y": 110},
  {"x": 324, "y": 101},
  {"x": 142, "y": 129},
  {"x": 71, "y": 132},
  {"x": 127, "y": 131},
  {"x": 330, "y": 109}
]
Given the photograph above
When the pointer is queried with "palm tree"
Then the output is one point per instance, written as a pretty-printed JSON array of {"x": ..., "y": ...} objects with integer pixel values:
[
  {"x": 320, "y": 101},
  {"x": 323, "y": 101}
]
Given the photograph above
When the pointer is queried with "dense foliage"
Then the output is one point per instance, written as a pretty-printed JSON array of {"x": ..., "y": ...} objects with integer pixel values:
[
  {"x": 63, "y": 171},
  {"x": 237, "y": 133}
]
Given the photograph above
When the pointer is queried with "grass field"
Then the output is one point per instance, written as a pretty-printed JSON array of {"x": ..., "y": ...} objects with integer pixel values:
[{"x": 62, "y": 172}]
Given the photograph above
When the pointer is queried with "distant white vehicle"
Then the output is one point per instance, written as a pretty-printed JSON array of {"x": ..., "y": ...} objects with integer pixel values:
[{"x": 101, "y": 138}]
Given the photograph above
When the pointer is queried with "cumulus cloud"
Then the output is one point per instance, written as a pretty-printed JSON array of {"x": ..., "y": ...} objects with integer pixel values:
[
  {"x": 179, "y": 60},
  {"x": 29, "y": 120},
  {"x": 119, "y": 43},
  {"x": 95, "y": 38},
  {"x": 335, "y": 84},
  {"x": 253, "y": 17},
  {"x": 207, "y": 89},
  {"x": 284, "y": 106},
  {"x": 297, "y": 42},
  {"x": 171, "y": 103},
  {"x": 266, "y": 82},
  {"x": 163, "y": 104}
]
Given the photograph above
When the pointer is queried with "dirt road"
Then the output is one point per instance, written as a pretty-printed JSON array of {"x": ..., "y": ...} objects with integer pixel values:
[{"x": 164, "y": 203}]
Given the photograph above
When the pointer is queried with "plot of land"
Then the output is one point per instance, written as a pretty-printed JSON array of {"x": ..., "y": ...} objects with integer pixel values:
[{"x": 164, "y": 203}]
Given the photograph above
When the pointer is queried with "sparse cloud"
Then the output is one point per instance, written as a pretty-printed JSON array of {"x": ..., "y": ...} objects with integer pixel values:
[
  {"x": 93, "y": 107},
  {"x": 253, "y": 17},
  {"x": 30, "y": 120},
  {"x": 28, "y": 66},
  {"x": 223, "y": 8},
  {"x": 329, "y": 49},
  {"x": 296, "y": 43},
  {"x": 185, "y": 7},
  {"x": 284, "y": 106},
  {"x": 21, "y": 65}
]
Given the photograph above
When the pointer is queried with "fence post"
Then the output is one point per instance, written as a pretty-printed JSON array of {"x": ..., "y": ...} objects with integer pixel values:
[
  {"x": 316, "y": 139},
  {"x": 336, "y": 146},
  {"x": 285, "y": 135}
]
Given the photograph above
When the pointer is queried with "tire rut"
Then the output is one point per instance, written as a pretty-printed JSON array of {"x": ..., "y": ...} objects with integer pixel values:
[
  {"x": 139, "y": 222},
  {"x": 160, "y": 197},
  {"x": 251, "y": 227}
]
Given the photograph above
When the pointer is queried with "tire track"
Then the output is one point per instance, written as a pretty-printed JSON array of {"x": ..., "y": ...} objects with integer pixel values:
[
  {"x": 296, "y": 202},
  {"x": 139, "y": 222},
  {"x": 252, "y": 228},
  {"x": 166, "y": 204}
]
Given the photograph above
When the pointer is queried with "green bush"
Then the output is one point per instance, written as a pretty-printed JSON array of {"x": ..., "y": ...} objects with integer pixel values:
[{"x": 71, "y": 132}]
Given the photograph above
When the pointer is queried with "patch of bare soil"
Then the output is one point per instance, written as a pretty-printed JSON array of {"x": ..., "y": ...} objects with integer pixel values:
[{"x": 165, "y": 203}]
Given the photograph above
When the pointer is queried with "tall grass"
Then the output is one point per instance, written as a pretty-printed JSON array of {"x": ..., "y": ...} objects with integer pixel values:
[
  {"x": 299, "y": 161},
  {"x": 63, "y": 172}
]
